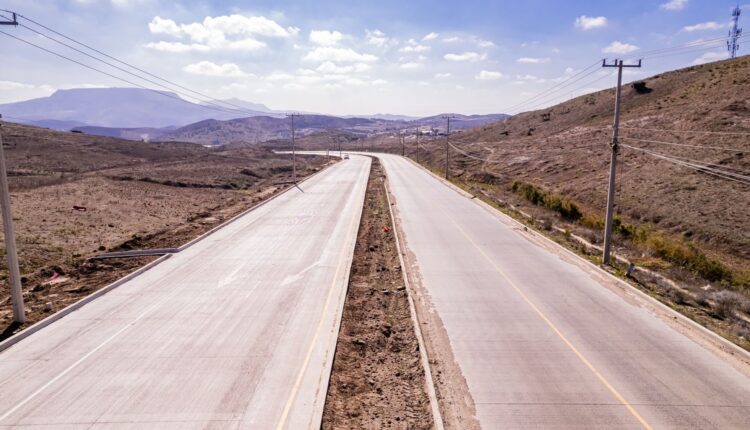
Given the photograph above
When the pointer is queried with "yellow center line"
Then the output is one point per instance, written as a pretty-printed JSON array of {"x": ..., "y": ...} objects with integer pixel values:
[
  {"x": 557, "y": 331},
  {"x": 308, "y": 356}
]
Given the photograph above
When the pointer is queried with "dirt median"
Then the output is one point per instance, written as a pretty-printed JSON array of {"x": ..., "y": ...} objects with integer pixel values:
[{"x": 377, "y": 379}]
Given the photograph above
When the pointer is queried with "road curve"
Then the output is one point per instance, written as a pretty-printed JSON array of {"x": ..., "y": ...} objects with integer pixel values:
[
  {"x": 540, "y": 339},
  {"x": 236, "y": 331}
]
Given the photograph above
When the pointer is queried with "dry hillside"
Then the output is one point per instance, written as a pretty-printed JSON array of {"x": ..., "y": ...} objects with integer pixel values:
[{"x": 564, "y": 149}]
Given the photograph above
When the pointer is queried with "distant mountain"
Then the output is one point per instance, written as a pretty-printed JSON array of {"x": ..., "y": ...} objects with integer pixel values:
[
  {"x": 258, "y": 108},
  {"x": 264, "y": 128},
  {"x": 145, "y": 134},
  {"x": 116, "y": 107},
  {"x": 55, "y": 124},
  {"x": 460, "y": 122}
]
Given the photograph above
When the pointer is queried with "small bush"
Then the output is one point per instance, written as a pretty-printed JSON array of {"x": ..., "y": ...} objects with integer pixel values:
[
  {"x": 592, "y": 221},
  {"x": 566, "y": 208},
  {"x": 726, "y": 303}
]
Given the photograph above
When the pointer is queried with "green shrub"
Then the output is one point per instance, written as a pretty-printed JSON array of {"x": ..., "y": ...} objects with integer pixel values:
[{"x": 566, "y": 208}]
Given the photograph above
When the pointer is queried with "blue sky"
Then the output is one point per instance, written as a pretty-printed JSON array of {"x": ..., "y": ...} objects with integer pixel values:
[{"x": 346, "y": 57}]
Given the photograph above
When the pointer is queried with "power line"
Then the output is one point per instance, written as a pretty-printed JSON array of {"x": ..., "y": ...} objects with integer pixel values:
[
  {"x": 659, "y": 142},
  {"x": 729, "y": 133},
  {"x": 743, "y": 179},
  {"x": 646, "y": 54},
  {"x": 709, "y": 164},
  {"x": 569, "y": 81},
  {"x": 211, "y": 99},
  {"x": 573, "y": 91},
  {"x": 109, "y": 74}
]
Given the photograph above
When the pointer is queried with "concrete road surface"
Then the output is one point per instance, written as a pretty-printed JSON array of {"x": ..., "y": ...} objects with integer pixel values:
[
  {"x": 542, "y": 341},
  {"x": 237, "y": 331}
]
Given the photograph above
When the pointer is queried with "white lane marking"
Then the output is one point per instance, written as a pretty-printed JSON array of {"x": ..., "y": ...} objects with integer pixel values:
[
  {"x": 229, "y": 278},
  {"x": 289, "y": 279}
]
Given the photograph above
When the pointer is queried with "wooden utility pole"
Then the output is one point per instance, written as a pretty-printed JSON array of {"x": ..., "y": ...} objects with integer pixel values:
[
  {"x": 294, "y": 159},
  {"x": 447, "y": 144},
  {"x": 417, "y": 156},
  {"x": 14, "y": 280},
  {"x": 613, "y": 161}
]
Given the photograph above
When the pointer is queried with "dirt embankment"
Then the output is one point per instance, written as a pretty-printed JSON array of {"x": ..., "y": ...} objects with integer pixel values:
[{"x": 377, "y": 381}]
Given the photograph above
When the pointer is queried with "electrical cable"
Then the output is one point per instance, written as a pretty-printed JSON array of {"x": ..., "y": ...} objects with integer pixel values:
[
  {"x": 109, "y": 74},
  {"x": 659, "y": 142},
  {"x": 211, "y": 99},
  {"x": 743, "y": 179},
  {"x": 728, "y": 133}
]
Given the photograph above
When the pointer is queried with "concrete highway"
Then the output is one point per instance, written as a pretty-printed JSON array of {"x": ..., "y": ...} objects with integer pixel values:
[
  {"x": 542, "y": 341},
  {"x": 236, "y": 331}
]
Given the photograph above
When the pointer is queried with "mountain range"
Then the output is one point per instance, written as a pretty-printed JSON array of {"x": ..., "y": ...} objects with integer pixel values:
[{"x": 141, "y": 114}]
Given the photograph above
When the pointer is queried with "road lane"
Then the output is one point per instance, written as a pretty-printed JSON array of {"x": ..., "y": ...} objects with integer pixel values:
[
  {"x": 539, "y": 338},
  {"x": 237, "y": 331}
]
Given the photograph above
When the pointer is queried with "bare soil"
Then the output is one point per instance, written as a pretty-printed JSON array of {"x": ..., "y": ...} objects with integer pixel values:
[
  {"x": 76, "y": 196},
  {"x": 377, "y": 380}
]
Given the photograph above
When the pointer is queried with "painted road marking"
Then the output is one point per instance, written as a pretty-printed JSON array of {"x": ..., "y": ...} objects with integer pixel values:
[
  {"x": 557, "y": 331},
  {"x": 308, "y": 356}
]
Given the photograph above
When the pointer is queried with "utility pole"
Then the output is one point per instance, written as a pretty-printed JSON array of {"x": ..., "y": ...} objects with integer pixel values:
[
  {"x": 294, "y": 160},
  {"x": 734, "y": 33},
  {"x": 613, "y": 162},
  {"x": 402, "y": 144},
  {"x": 447, "y": 143},
  {"x": 417, "y": 145},
  {"x": 14, "y": 280}
]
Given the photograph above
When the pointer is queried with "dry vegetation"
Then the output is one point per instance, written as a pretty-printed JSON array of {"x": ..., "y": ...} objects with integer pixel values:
[
  {"x": 128, "y": 195},
  {"x": 552, "y": 164}
]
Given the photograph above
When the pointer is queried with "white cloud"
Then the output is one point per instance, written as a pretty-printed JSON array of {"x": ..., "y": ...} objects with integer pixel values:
[
  {"x": 674, "y": 5},
  {"x": 450, "y": 39},
  {"x": 331, "y": 68},
  {"x": 325, "y": 37},
  {"x": 177, "y": 47},
  {"x": 410, "y": 66},
  {"x": 530, "y": 60},
  {"x": 619, "y": 48},
  {"x": 379, "y": 39},
  {"x": 379, "y": 82},
  {"x": 466, "y": 56},
  {"x": 342, "y": 55},
  {"x": 207, "y": 68},
  {"x": 10, "y": 86},
  {"x": 159, "y": 25},
  {"x": 234, "y": 32},
  {"x": 486, "y": 75},
  {"x": 414, "y": 48},
  {"x": 710, "y": 56},
  {"x": 430, "y": 36},
  {"x": 485, "y": 44},
  {"x": 710, "y": 25},
  {"x": 442, "y": 75},
  {"x": 279, "y": 77},
  {"x": 460, "y": 87},
  {"x": 529, "y": 78},
  {"x": 589, "y": 22}
]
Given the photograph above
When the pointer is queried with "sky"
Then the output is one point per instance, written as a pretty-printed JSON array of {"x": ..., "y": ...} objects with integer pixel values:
[{"x": 338, "y": 57}]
